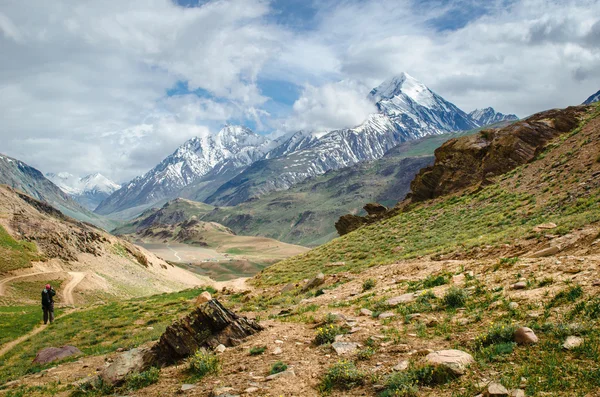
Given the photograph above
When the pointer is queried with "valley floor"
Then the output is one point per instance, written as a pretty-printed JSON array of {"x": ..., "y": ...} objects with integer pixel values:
[{"x": 559, "y": 298}]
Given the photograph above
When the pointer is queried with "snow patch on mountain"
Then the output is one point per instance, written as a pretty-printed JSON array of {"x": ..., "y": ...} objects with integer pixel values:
[
  {"x": 592, "y": 99},
  {"x": 93, "y": 183}
]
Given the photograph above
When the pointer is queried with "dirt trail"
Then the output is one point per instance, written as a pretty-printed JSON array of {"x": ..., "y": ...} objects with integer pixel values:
[
  {"x": 77, "y": 277},
  {"x": 5, "y": 281},
  {"x": 174, "y": 252}
]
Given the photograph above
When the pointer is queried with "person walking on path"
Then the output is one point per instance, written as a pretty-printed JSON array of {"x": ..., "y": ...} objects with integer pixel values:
[{"x": 48, "y": 303}]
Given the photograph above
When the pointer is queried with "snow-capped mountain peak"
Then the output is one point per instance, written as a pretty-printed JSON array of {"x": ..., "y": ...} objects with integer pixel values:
[
  {"x": 404, "y": 83},
  {"x": 88, "y": 191},
  {"x": 592, "y": 99}
]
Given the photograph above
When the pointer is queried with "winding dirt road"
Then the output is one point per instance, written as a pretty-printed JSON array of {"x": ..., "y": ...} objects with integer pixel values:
[{"x": 77, "y": 277}]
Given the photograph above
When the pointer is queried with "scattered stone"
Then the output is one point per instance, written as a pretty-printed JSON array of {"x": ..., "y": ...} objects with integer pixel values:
[
  {"x": 287, "y": 288},
  {"x": 50, "y": 354},
  {"x": 187, "y": 386},
  {"x": 572, "y": 342},
  {"x": 401, "y": 366},
  {"x": 315, "y": 282},
  {"x": 354, "y": 330},
  {"x": 222, "y": 391},
  {"x": 285, "y": 374},
  {"x": 496, "y": 390},
  {"x": 525, "y": 336},
  {"x": 545, "y": 226},
  {"x": 345, "y": 348},
  {"x": 220, "y": 349},
  {"x": 513, "y": 305},
  {"x": 596, "y": 283},
  {"x": 277, "y": 351},
  {"x": 412, "y": 316},
  {"x": 120, "y": 350},
  {"x": 386, "y": 315},
  {"x": 517, "y": 393},
  {"x": 405, "y": 298},
  {"x": 519, "y": 285},
  {"x": 366, "y": 312},
  {"x": 203, "y": 298},
  {"x": 573, "y": 270},
  {"x": 456, "y": 361},
  {"x": 251, "y": 390},
  {"x": 545, "y": 252},
  {"x": 458, "y": 279},
  {"x": 279, "y": 342},
  {"x": 335, "y": 264}
]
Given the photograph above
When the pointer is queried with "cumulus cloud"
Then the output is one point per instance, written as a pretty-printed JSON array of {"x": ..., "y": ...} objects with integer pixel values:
[
  {"x": 330, "y": 106},
  {"x": 83, "y": 85}
]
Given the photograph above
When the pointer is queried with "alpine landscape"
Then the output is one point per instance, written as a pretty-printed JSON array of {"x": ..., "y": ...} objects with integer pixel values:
[{"x": 298, "y": 198}]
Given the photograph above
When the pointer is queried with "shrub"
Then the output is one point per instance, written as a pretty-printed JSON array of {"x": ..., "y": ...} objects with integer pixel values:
[
  {"x": 368, "y": 284},
  {"x": 491, "y": 352},
  {"x": 406, "y": 383},
  {"x": 429, "y": 282},
  {"x": 204, "y": 363},
  {"x": 366, "y": 353},
  {"x": 327, "y": 334},
  {"x": 455, "y": 297},
  {"x": 343, "y": 375},
  {"x": 143, "y": 379},
  {"x": 257, "y": 350},
  {"x": 499, "y": 333},
  {"x": 566, "y": 296},
  {"x": 278, "y": 367}
]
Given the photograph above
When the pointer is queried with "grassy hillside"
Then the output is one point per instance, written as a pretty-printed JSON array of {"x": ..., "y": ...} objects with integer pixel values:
[
  {"x": 15, "y": 254},
  {"x": 561, "y": 186}
]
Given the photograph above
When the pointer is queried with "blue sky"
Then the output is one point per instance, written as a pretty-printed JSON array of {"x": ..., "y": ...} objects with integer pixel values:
[{"x": 114, "y": 87}]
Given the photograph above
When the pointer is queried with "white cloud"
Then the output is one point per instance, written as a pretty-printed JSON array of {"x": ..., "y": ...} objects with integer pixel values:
[
  {"x": 331, "y": 106},
  {"x": 83, "y": 84}
]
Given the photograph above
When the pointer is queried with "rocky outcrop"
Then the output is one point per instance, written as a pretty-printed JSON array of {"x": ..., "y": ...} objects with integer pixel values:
[
  {"x": 473, "y": 159},
  {"x": 208, "y": 326},
  {"x": 348, "y": 223},
  {"x": 50, "y": 354}
]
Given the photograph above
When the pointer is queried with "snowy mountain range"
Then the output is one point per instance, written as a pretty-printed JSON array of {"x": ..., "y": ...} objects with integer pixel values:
[
  {"x": 88, "y": 191},
  {"x": 489, "y": 116},
  {"x": 237, "y": 165},
  {"x": 592, "y": 99}
]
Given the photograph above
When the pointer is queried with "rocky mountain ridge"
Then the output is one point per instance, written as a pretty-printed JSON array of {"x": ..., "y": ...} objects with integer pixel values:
[
  {"x": 489, "y": 116},
  {"x": 593, "y": 98},
  {"x": 256, "y": 165}
]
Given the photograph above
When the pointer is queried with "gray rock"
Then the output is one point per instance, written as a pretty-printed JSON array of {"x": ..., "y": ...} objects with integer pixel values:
[
  {"x": 277, "y": 351},
  {"x": 513, "y": 305},
  {"x": 220, "y": 349},
  {"x": 50, "y": 354},
  {"x": 134, "y": 360},
  {"x": 496, "y": 390},
  {"x": 519, "y": 285},
  {"x": 366, "y": 312},
  {"x": 517, "y": 393},
  {"x": 345, "y": 348},
  {"x": 456, "y": 361},
  {"x": 525, "y": 336},
  {"x": 315, "y": 282},
  {"x": 386, "y": 315},
  {"x": 545, "y": 252},
  {"x": 572, "y": 342},
  {"x": 401, "y": 366},
  {"x": 285, "y": 374},
  {"x": 223, "y": 391},
  {"x": 397, "y": 300},
  {"x": 288, "y": 288},
  {"x": 251, "y": 390},
  {"x": 187, "y": 386}
]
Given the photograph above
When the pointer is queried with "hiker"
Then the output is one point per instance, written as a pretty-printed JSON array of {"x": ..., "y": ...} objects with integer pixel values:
[{"x": 48, "y": 303}]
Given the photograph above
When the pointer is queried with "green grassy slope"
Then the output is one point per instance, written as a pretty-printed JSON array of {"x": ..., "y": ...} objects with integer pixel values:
[
  {"x": 15, "y": 254},
  {"x": 561, "y": 186}
]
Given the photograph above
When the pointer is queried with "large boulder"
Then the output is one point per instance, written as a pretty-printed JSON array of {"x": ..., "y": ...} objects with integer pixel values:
[
  {"x": 349, "y": 223},
  {"x": 525, "y": 336},
  {"x": 208, "y": 326},
  {"x": 49, "y": 354},
  {"x": 314, "y": 282},
  {"x": 455, "y": 361},
  {"x": 375, "y": 209},
  {"x": 131, "y": 361}
]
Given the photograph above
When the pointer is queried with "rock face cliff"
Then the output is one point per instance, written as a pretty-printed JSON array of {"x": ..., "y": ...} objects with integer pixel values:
[{"x": 471, "y": 160}]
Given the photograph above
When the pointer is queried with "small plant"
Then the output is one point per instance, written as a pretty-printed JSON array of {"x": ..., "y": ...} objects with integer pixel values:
[
  {"x": 257, "y": 350},
  {"x": 546, "y": 281},
  {"x": 327, "y": 334},
  {"x": 499, "y": 333},
  {"x": 429, "y": 282},
  {"x": 491, "y": 352},
  {"x": 509, "y": 261},
  {"x": 406, "y": 383},
  {"x": 566, "y": 296},
  {"x": 140, "y": 380},
  {"x": 342, "y": 375},
  {"x": 278, "y": 367},
  {"x": 319, "y": 292},
  {"x": 455, "y": 297},
  {"x": 365, "y": 354},
  {"x": 203, "y": 363},
  {"x": 368, "y": 284}
]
